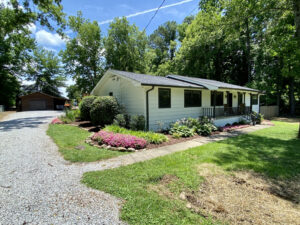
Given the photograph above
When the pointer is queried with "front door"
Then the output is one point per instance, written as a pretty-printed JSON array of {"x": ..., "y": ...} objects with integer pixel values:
[{"x": 229, "y": 99}]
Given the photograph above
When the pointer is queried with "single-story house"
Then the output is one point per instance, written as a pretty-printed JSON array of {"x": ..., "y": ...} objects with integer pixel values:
[
  {"x": 41, "y": 101},
  {"x": 163, "y": 100}
]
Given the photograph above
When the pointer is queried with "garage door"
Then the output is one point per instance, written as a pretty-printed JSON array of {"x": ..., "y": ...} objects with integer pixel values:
[{"x": 37, "y": 104}]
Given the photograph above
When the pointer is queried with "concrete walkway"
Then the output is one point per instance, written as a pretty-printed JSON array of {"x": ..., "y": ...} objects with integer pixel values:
[{"x": 165, "y": 150}]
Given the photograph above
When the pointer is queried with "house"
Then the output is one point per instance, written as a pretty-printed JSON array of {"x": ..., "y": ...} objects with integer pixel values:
[
  {"x": 41, "y": 101},
  {"x": 163, "y": 100}
]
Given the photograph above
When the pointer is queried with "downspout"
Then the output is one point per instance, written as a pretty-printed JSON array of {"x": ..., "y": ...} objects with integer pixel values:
[{"x": 147, "y": 106}]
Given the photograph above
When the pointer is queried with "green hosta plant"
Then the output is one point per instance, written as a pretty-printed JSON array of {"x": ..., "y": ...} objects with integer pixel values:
[{"x": 182, "y": 130}]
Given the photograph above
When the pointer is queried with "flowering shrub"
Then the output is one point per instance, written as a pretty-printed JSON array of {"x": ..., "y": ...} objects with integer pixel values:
[
  {"x": 56, "y": 121},
  {"x": 119, "y": 140}
]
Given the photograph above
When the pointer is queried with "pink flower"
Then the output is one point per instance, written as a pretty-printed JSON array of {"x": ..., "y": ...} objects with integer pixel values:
[
  {"x": 56, "y": 121},
  {"x": 119, "y": 140}
]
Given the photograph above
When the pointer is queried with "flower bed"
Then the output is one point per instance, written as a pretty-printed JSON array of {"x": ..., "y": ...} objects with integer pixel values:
[
  {"x": 119, "y": 140},
  {"x": 233, "y": 127},
  {"x": 56, "y": 121},
  {"x": 151, "y": 137}
]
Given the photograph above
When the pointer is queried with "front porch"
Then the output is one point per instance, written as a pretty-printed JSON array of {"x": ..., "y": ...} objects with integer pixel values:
[{"x": 225, "y": 111}]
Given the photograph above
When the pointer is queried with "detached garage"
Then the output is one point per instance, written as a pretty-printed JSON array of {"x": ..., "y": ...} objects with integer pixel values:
[{"x": 41, "y": 101}]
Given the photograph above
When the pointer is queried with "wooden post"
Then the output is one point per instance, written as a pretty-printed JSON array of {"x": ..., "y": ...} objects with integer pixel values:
[
  {"x": 214, "y": 97},
  {"x": 250, "y": 102}
]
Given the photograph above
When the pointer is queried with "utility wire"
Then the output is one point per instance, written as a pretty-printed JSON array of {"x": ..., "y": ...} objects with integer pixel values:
[{"x": 154, "y": 15}]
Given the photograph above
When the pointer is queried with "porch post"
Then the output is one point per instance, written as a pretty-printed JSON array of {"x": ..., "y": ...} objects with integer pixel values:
[
  {"x": 214, "y": 96},
  {"x": 250, "y": 102},
  {"x": 244, "y": 94}
]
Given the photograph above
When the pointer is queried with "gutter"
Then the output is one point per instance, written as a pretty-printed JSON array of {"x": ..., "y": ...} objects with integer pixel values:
[{"x": 147, "y": 106}]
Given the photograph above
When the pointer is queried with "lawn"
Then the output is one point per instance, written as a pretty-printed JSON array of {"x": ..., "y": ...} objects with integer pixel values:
[
  {"x": 68, "y": 137},
  {"x": 148, "y": 188}
]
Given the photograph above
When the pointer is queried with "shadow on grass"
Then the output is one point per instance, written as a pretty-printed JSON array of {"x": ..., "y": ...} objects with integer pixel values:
[{"x": 278, "y": 160}]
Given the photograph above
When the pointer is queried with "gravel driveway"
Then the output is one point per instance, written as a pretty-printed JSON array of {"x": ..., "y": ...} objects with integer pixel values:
[{"x": 37, "y": 186}]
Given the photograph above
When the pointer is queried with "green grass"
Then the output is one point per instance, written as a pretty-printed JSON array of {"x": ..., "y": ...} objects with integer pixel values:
[
  {"x": 68, "y": 137},
  {"x": 273, "y": 152},
  {"x": 149, "y": 136}
]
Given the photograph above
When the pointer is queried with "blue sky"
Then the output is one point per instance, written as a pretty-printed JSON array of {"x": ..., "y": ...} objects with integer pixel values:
[{"x": 102, "y": 11}]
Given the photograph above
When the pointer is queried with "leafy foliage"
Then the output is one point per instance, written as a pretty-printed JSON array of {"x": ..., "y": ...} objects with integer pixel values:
[
  {"x": 46, "y": 72},
  {"x": 85, "y": 107},
  {"x": 151, "y": 137},
  {"x": 137, "y": 122},
  {"x": 83, "y": 56},
  {"x": 103, "y": 110},
  {"x": 125, "y": 46}
]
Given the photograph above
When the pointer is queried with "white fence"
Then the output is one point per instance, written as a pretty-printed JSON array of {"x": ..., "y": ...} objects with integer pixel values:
[
  {"x": 269, "y": 111},
  {"x": 1, "y": 108}
]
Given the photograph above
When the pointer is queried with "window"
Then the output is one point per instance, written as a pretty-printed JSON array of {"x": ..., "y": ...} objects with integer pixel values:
[
  {"x": 111, "y": 93},
  {"x": 254, "y": 99},
  {"x": 164, "y": 98},
  {"x": 219, "y": 98},
  {"x": 192, "y": 98}
]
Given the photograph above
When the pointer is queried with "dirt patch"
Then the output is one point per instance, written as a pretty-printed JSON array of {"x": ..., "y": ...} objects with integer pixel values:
[
  {"x": 4, "y": 114},
  {"x": 246, "y": 198},
  {"x": 241, "y": 197}
]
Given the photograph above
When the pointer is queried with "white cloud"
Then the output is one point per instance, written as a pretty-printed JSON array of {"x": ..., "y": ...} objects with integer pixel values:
[
  {"x": 148, "y": 11},
  {"x": 32, "y": 27},
  {"x": 48, "y": 39}
]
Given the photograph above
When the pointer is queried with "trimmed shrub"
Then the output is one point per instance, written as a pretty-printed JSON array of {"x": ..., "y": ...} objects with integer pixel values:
[
  {"x": 151, "y": 137},
  {"x": 85, "y": 107},
  {"x": 104, "y": 109},
  {"x": 137, "y": 122},
  {"x": 120, "y": 120},
  {"x": 119, "y": 140}
]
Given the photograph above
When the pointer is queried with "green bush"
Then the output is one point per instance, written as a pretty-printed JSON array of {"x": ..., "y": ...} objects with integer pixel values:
[
  {"x": 104, "y": 109},
  {"x": 151, "y": 137},
  {"x": 120, "y": 120},
  {"x": 137, "y": 122},
  {"x": 202, "y": 126},
  {"x": 257, "y": 117},
  {"x": 70, "y": 116},
  {"x": 85, "y": 107},
  {"x": 179, "y": 130}
]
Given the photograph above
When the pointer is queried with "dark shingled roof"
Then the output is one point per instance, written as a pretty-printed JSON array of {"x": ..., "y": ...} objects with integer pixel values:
[
  {"x": 204, "y": 82},
  {"x": 155, "y": 80},
  {"x": 178, "y": 81}
]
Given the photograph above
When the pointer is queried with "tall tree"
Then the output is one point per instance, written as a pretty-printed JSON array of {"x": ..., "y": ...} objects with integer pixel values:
[
  {"x": 125, "y": 46},
  {"x": 46, "y": 72},
  {"x": 84, "y": 55},
  {"x": 15, "y": 41},
  {"x": 163, "y": 44}
]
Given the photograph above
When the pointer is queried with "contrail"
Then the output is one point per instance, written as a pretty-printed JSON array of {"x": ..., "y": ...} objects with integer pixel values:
[{"x": 148, "y": 11}]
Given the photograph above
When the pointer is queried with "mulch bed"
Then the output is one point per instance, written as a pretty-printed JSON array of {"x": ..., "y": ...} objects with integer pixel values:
[{"x": 87, "y": 125}]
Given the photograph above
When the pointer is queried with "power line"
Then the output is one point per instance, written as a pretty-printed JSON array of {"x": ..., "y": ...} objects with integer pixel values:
[{"x": 154, "y": 14}]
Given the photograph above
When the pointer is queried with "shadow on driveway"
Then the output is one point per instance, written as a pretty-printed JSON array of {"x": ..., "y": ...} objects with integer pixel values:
[{"x": 29, "y": 122}]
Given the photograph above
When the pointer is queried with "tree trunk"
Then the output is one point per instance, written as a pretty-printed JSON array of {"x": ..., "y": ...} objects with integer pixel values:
[
  {"x": 248, "y": 50},
  {"x": 297, "y": 18},
  {"x": 292, "y": 96}
]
